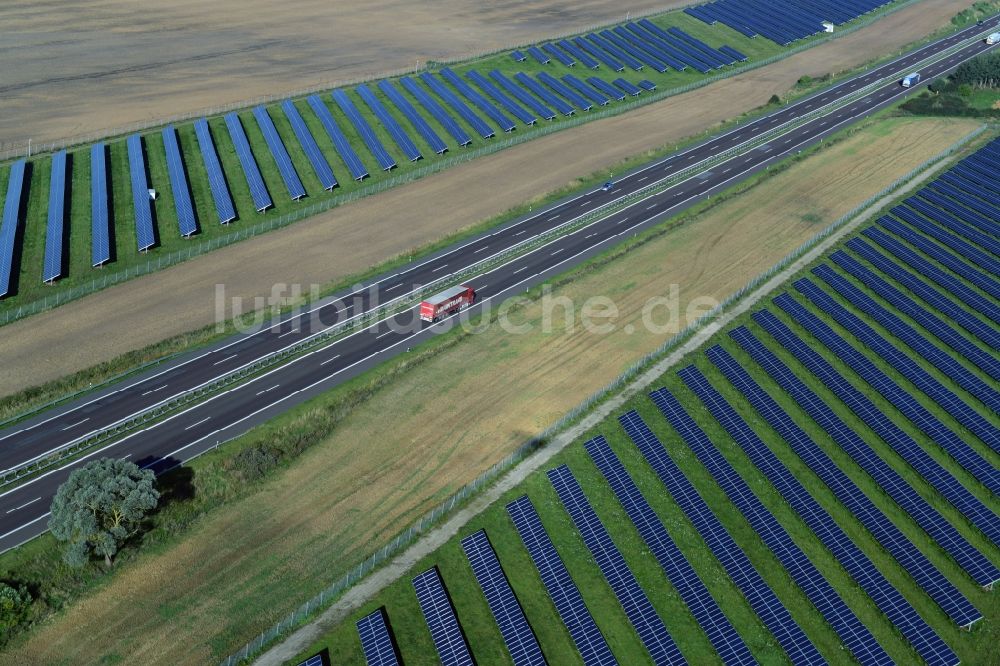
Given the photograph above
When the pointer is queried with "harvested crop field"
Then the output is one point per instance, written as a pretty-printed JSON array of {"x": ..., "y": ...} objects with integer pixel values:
[
  {"x": 74, "y": 68},
  {"x": 248, "y": 563},
  {"x": 349, "y": 239}
]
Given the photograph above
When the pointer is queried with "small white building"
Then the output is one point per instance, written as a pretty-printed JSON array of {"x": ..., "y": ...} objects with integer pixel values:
[{"x": 827, "y": 26}]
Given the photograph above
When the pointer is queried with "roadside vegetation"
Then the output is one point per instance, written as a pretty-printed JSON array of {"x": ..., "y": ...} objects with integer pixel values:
[
  {"x": 973, "y": 91},
  {"x": 347, "y": 501}
]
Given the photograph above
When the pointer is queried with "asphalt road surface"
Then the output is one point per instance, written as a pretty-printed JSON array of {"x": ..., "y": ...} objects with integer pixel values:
[{"x": 202, "y": 426}]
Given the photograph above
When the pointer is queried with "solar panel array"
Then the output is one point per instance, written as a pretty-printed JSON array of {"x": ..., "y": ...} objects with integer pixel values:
[
  {"x": 315, "y": 660},
  {"x": 483, "y": 104},
  {"x": 376, "y": 640},
  {"x": 899, "y": 397},
  {"x": 396, "y": 131},
  {"x": 926, "y": 575},
  {"x": 432, "y": 107},
  {"x": 457, "y": 105},
  {"x": 258, "y": 191},
  {"x": 522, "y": 96},
  {"x": 893, "y": 605},
  {"x": 100, "y": 245},
  {"x": 179, "y": 183},
  {"x": 727, "y": 643},
  {"x": 340, "y": 142},
  {"x": 365, "y": 130},
  {"x": 930, "y": 520},
  {"x": 514, "y": 628},
  {"x": 933, "y": 472},
  {"x": 760, "y": 596},
  {"x": 144, "y": 235},
  {"x": 440, "y": 617},
  {"x": 563, "y": 592},
  {"x": 852, "y": 632},
  {"x": 10, "y": 223},
  {"x": 630, "y": 595},
  {"x": 784, "y": 24},
  {"x": 216, "y": 178},
  {"x": 309, "y": 146},
  {"x": 417, "y": 120},
  {"x": 279, "y": 153},
  {"x": 52, "y": 267},
  {"x": 502, "y": 99}
]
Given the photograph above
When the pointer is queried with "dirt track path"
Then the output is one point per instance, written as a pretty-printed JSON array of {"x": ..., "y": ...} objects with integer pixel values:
[{"x": 349, "y": 239}]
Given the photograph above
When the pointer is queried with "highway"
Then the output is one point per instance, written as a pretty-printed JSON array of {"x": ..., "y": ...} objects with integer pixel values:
[{"x": 201, "y": 426}]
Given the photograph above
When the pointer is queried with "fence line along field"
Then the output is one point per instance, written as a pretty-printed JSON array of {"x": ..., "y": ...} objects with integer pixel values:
[
  {"x": 832, "y": 491},
  {"x": 351, "y": 493},
  {"x": 350, "y": 239}
]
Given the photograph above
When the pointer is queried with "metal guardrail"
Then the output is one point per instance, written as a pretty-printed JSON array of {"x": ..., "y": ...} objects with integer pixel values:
[{"x": 405, "y": 301}]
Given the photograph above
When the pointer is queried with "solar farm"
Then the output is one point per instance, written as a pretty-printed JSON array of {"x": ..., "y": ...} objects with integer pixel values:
[
  {"x": 835, "y": 449},
  {"x": 123, "y": 203}
]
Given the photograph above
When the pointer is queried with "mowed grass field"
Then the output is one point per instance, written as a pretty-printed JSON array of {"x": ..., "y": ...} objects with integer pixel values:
[
  {"x": 247, "y": 564},
  {"x": 972, "y": 647},
  {"x": 125, "y": 254}
]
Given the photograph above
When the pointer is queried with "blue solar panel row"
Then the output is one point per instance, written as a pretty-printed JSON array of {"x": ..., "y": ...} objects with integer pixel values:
[
  {"x": 923, "y": 419},
  {"x": 930, "y": 520},
  {"x": 258, "y": 190},
  {"x": 537, "y": 88},
  {"x": 579, "y": 54},
  {"x": 354, "y": 164},
  {"x": 438, "y": 113},
  {"x": 627, "y": 87},
  {"x": 942, "y": 303},
  {"x": 396, "y": 131},
  {"x": 606, "y": 88},
  {"x": 647, "y": 85},
  {"x": 10, "y": 223},
  {"x": 523, "y": 96},
  {"x": 554, "y": 51},
  {"x": 417, "y": 120},
  {"x": 558, "y": 86},
  {"x": 960, "y": 182},
  {"x": 926, "y": 575},
  {"x": 501, "y": 98},
  {"x": 957, "y": 288},
  {"x": 988, "y": 189},
  {"x": 960, "y": 227},
  {"x": 943, "y": 256},
  {"x": 965, "y": 249},
  {"x": 638, "y": 609},
  {"x": 931, "y": 322},
  {"x": 667, "y": 48},
  {"x": 52, "y": 265},
  {"x": 460, "y": 107},
  {"x": 100, "y": 242},
  {"x": 893, "y": 605},
  {"x": 144, "y": 235},
  {"x": 309, "y": 146},
  {"x": 365, "y": 130},
  {"x": 518, "y": 56},
  {"x": 761, "y": 598},
  {"x": 179, "y": 183},
  {"x": 985, "y": 226},
  {"x": 279, "y": 153},
  {"x": 376, "y": 640},
  {"x": 590, "y": 47},
  {"x": 727, "y": 643},
  {"x": 711, "y": 55},
  {"x": 585, "y": 90},
  {"x": 514, "y": 628},
  {"x": 852, "y": 632},
  {"x": 216, "y": 178},
  {"x": 483, "y": 104},
  {"x": 618, "y": 54},
  {"x": 730, "y": 51},
  {"x": 561, "y": 589},
  {"x": 539, "y": 55},
  {"x": 946, "y": 195},
  {"x": 439, "y": 615},
  {"x": 626, "y": 43},
  {"x": 932, "y": 471},
  {"x": 947, "y": 363},
  {"x": 315, "y": 660}
]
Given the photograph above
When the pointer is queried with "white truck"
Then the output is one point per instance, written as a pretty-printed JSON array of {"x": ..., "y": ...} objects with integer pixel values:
[
  {"x": 993, "y": 38},
  {"x": 911, "y": 79}
]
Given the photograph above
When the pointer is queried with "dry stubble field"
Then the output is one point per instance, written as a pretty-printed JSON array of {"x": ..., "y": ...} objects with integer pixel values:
[
  {"x": 351, "y": 238},
  {"x": 249, "y": 563},
  {"x": 82, "y": 66}
]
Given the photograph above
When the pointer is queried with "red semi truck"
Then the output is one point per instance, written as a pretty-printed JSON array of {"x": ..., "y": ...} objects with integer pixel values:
[{"x": 448, "y": 301}]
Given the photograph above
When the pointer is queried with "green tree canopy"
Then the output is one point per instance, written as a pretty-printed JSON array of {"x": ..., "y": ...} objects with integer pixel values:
[
  {"x": 100, "y": 506},
  {"x": 980, "y": 72},
  {"x": 14, "y": 606}
]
